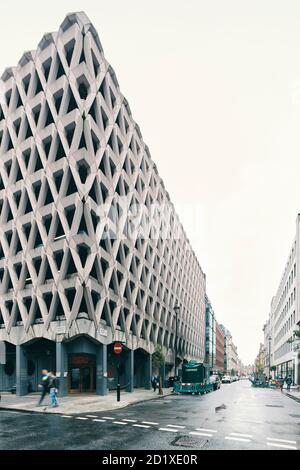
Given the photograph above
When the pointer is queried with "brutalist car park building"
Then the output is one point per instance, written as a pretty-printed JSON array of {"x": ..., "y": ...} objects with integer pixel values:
[{"x": 75, "y": 278}]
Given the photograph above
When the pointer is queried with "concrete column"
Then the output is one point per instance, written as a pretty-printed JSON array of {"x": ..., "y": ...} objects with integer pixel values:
[
  {"x": 2, "y": 353},
  {"x": 148, "y": 372},
  {"x": 62, "y": 368},
  {"x": 101, "y": 372},
  {"x": 21, "y": 371},
  {"x": 129, "y": 371}
]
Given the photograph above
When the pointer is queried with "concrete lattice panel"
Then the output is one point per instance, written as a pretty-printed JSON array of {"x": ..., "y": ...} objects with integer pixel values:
[{"x": 70, "y": 151}]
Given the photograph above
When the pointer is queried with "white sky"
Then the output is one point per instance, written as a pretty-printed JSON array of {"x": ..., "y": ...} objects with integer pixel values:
[{"x": 215, "y": 88}]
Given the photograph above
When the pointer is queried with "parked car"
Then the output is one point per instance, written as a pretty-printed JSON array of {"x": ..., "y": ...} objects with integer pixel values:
[
  {"x": 226, "y": 379},
  {"x": 172, "y": 379},
  {"x": 215, "y": 380}
]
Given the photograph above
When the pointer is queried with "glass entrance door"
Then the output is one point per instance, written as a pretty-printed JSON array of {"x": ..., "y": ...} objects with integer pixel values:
[
  {"x": 86, "y": 379},
  {"x": 82, "y": 374},
  {"x": 82, "y": 379},
  {"x": 75, "y": 379}
]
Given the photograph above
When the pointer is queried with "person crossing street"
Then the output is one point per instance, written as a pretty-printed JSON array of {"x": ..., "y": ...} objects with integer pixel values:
[
  {"x": 53, "y": 389},
  {"x": 289, "y": 382},
  {"x": 44, "y": 385}
]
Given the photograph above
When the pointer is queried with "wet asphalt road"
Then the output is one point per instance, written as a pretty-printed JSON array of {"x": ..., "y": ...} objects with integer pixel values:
[{"x": 235, "y": 417}]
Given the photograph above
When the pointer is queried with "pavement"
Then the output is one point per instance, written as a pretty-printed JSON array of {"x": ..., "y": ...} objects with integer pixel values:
[
  {"x": 294, "y": 393},
  {"x": 76, "y": 404},
  {"x": 237, "y": 417}
]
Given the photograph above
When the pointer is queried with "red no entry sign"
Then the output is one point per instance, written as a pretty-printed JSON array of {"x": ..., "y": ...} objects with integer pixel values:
[{"x": 118, "y": 348}]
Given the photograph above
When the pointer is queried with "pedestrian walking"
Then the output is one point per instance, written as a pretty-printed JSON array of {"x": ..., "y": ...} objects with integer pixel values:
[
  {"x": 281, "y": 384},
  {"x": 289, "y": 383},
  {"x": 154, "y": 383},
  {"x": 44, "y": 385},
  {"x": 53, "y": 389}
]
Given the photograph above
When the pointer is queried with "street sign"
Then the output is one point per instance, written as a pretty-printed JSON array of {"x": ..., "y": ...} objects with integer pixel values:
[{"x": 118, "y": 348}]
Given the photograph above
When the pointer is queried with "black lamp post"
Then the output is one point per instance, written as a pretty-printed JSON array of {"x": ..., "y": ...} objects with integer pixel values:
[
  {"x": 176, "y": 310},
  {"x": 269, "y": 339}
]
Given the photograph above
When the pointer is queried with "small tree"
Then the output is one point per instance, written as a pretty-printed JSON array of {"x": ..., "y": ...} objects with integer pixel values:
[{"x": 158, "y": 360}]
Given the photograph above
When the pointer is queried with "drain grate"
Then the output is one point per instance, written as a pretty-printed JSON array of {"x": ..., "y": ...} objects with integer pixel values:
[
  {"x": 186, "y": 441},
  {"x": 275, "y": 406},
  {"x": 294, "y": 416}
]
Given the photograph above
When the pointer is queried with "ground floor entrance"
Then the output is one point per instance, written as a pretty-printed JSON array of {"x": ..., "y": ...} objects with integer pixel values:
[
  {"x": 286, "y": 369},
  {"x": 82, "y": 365},
  {"x": 82, "y": 373}
]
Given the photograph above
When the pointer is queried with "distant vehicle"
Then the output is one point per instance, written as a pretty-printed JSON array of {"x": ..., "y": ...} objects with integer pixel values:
[
  {"x": 195, "y": 379},
  {"x": 173, "y": 379},
  {"x": 215, "y": 380},
  {"x": 227, "y": 379}
]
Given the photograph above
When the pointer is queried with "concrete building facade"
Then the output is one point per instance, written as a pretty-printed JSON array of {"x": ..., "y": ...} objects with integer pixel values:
[
  {"x": 230, "y": 352},
  {"x": 260, "y": 359},
  {"x": 76, "y": 276},
  {"x": 267, "y": 349},
  {"x": 210, "y": 334},
  {"x": 220, "y": 349}
]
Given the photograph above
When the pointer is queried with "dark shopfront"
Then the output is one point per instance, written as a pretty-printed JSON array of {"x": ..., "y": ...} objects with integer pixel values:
[
  {"x": 82, "y": 365},
  {"x": 285, "y": 369}
]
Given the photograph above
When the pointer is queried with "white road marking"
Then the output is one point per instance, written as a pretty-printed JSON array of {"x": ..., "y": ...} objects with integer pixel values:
[
  {"x": 175, "y": 426},
  {"x": 66, "y": 416},
  {"x": 195, "y": 433},
  {"x": 130, "y": 420},
  {"x": 240, "y": 435},
  {"x": 168, "y": 429},
  {"x": 141, "y": 426},
  {"x": 237, "y": 439},
  {"x": 99, "y": 420},
  {"x": 245, "y": 420},
  {"x": 80, "y": 417},
  {"x": 91, "y": 416},
  {"x": 206, "y": 430},
  {"x": 108, "y": 417},
  {"x": 281, "y": 440},
  {"x": 150, "y": 422},
  {"x": 283, "y": 446},
  {"x": 119, "y": 422}
]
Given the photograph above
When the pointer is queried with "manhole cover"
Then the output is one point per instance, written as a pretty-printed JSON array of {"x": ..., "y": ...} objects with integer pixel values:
[
  {"x": 186, "y": 441},
  {"x": 275, "y": 406}
]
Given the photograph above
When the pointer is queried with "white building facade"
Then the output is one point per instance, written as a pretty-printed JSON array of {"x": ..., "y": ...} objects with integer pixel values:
[
  {"x": 230, "y": 352},
  {"x": 284, "y": 318}
]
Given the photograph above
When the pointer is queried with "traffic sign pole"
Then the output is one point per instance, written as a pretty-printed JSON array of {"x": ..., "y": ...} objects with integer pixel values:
[
  {"x": 117, "y": 350},
  {"x": 118, "y": 384}
]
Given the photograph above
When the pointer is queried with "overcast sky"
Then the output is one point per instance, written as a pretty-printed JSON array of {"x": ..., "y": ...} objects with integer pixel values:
[{"x": 215, "y": 88}]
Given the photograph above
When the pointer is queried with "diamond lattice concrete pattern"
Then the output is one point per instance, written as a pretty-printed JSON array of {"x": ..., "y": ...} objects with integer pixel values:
[{"x": 70, "y": 152}]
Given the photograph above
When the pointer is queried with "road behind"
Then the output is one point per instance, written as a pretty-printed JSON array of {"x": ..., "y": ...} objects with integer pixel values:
[{"x": 235, "y": 417}]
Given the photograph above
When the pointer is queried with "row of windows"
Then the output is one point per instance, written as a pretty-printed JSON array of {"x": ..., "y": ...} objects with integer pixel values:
[
  {"x": 286, "y": 289},
  {"x": 286, "y": 327},
  {"x": 283, "y": 349},
  {"x": 290, "y": 302}
]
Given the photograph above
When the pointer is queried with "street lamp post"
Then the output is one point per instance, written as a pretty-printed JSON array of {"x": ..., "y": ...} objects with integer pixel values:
[
  {"x": 176, "y": 310},
  {"x": 269, "y": 338}
]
